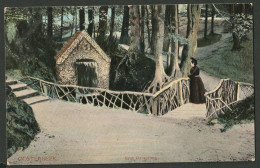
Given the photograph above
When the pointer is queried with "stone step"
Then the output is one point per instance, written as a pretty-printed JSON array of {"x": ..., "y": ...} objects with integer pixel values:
[
  {"x": 23, "y": 94},
  {"x": 36, "y": 99},
  {"x": 18, "y": 87},
  {"x": 10, "y": 81}
]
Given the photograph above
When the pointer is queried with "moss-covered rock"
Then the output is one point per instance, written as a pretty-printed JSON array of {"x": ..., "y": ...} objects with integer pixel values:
[{"x": 21, "y": 125}]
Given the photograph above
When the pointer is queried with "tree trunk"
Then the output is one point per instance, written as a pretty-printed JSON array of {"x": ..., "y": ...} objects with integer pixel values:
[
  {"x": 174, "y": 61},
  {"x": 50, "y": 22},
  {"x": 212, "y": 19},
  {"x": 194, "y": 12},
  {"x": 142, "y": 23},
  {"x": 147, "y": 25},
  {"x": 167, "y": 24},
  {"x": 76, "y": 16},
  {"x": 237, "y": 42},
  {"x": 82, "y": 19},
  {"x": 61, "y": 23},
  {"x": 112, "y": 23},
  {"x": 102, "y": 22},
  {"x": 72, "y": 25},
  {"x": 243, "y": 8},
  {"x": 158, "y": 31},
  {"x": 91, "y": 21},
  {"x": 37, "y": 23},
  {"x": 124, "y": 38},
  {"x": 135, "y": 32},
  {"x": 153, "y": 29},
  {"x": 206, "y": 22}
]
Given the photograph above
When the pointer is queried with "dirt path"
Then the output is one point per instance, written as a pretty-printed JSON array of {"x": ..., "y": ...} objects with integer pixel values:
[{"x": 75, "y": 134}]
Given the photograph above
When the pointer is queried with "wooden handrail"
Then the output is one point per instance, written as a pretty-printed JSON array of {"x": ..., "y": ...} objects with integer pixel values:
[
  {"x": 92, "y": 88},
  {"x": 168, "y": 86}
]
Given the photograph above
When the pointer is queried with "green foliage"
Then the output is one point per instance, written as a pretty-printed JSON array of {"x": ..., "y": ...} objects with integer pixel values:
[
  {"x": 29, "y": 52},
  {"x": 242, "y": 25}
]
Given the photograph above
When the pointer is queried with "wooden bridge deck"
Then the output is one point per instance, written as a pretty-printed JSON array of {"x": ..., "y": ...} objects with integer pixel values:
[{"x": 188, "y": 111}]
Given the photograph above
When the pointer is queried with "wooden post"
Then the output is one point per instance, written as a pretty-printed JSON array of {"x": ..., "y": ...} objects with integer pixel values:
[
  {"x": 154, "y": 106},
  {"x": 238, "y": 91},
  {"x": 122, "y": 101},
  {"x": 180, "y": 93}
]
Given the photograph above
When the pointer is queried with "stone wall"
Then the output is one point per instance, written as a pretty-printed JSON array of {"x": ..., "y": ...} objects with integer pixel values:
[{"x": 66, "y": 70}]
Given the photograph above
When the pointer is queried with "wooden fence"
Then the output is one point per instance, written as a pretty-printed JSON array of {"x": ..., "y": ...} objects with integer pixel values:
[
  {"x": 226, "y": 94},
  {"x": 168, "y": 98}
]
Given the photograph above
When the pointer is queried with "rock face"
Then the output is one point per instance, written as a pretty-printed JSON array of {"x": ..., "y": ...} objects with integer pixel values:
[
  {"x": 82, "y": 48},
  {"x": 134, "y": 72},
  {"x": 21, "y": 125}
]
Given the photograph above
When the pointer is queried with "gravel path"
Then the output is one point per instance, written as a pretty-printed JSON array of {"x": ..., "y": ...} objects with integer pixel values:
[{"x": 72, "y": 133}]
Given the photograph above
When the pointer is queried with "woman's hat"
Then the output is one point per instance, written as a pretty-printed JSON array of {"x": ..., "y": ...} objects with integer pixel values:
[{"x": 193, "y": 60}]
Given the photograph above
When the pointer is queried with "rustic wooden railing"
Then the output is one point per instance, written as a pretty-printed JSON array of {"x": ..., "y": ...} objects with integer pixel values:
[
  {"x": 168, "y": 98},
  {"x": 173, "y": 95},
  {"x": 226, "y": 94}
]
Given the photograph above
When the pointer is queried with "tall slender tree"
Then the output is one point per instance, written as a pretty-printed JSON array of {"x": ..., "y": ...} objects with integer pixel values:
[
  {"x": 212, "y": 18},
  {"x": 91, "y": 20},
  {"x": 174, "y": 61},
  {"x": 82, "y": 18},
  {"x": 167, "y": 29},
  {"x": 135, "y": 28},
  {"x": 50, "y": 22},
  {"x": 124, "y": 38},
  {"x": 142, "y": 23},
  {"x": 112, "y": 22},
  {"x": 102, "y": 22},
  {"x": 147, "y": 25},
  {"x": 153, "y": 29},
  {"x": 160, "y": 76},
  {"x": 61, "y": 23},
  {"x": 194, "y": 12},
  {"x": 206, "y": 22}
]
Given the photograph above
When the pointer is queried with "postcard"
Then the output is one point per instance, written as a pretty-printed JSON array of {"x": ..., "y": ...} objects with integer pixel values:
[{"x": 129, "y": 84}]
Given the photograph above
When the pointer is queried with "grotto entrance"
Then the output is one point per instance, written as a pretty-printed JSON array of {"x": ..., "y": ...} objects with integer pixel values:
[{"x": 86, "y": 72}]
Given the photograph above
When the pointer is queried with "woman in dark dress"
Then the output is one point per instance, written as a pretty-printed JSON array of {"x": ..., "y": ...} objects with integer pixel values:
[{"x": 197, "y": 89}]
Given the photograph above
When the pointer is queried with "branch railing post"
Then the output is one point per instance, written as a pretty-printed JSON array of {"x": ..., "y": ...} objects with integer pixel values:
[{"x": 180, "y": 93}]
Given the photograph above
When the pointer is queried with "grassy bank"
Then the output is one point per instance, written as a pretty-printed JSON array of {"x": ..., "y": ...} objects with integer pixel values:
[
  {"x": 241, "y": 113},
  {"x": 224, "y": 63}
]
